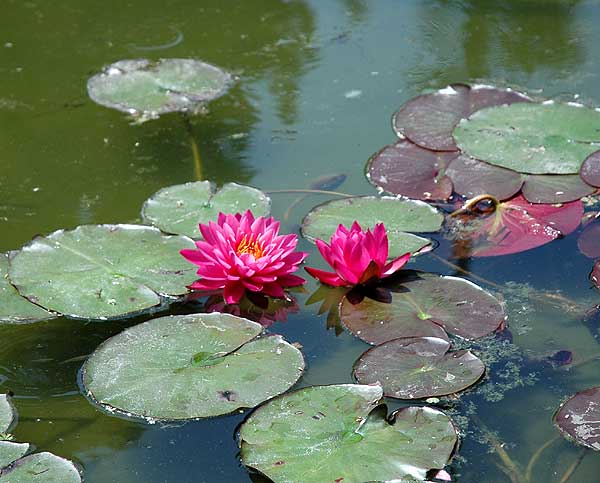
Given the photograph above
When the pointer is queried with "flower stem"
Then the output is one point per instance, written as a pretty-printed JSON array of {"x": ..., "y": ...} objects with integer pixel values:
[
  {"x": 472, "y": 203},
  {"x": 536, "y": 456},
  {"x": 571, "y": 469},
  {"x": 309, "y": 191},
  {"x": 194, "y": 145}
]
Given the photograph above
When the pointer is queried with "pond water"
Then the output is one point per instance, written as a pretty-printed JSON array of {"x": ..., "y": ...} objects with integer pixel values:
[{"x": 319, "y": 81}]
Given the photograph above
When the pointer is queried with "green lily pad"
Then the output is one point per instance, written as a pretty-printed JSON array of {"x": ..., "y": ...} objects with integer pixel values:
[
  {"x": 146, "y": 89},
  {"x": 458, "y": 306},
  {"x": 579, "y": 418},
  {"x": 8, "y": 414},
  {"x": 40, "y": 468},
  {"x": 15, "y": 309},
  {"x": 11, "y": 452},
  {"x": 398, "y": 215},
  {"x": 190, "y": 366},
  {"x": 531, "y": 138},
  {"x": 341, "y": 433},
  {"x": 179, "y": 209},
  {"x": 101, "y": 271},
  {"x": 415, "y": 368}
]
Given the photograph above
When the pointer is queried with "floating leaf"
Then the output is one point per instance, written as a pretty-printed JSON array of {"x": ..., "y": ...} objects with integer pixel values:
[
  {"x": 15, "y": 309},
  {"x": 579, "y": 418},
  {"x": 595, "y": 275},
  {"x": 406, "y": 169},
  {"x": 457, "y": 305},
  {"x": 7, "y": 413},
  {"x": 340, "y": 433},
  {"x": 190, "y": 366},
  {"x": 40, "y": 468},
  {"x": 554, "y": 188},
  {"x": 398, "y": 215},
  {"x": 415, "y": 368},
  {"x": 11, "y": 452},
  {"x": 514, "y": 226},
  {"x": 531, "y": 138},
  {"x": 590, "y": 169},
  {"x": 100, "y": 271},
  {"x": 147, "y": 89},
  {"x": 179, "y": 209},
  {"x": 429, "y": 120},
  {"x": 589, "y": 240}
]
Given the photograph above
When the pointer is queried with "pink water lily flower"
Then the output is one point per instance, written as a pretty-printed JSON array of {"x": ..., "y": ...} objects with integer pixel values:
[
  {"x": 357, "y": 257},
  {"x": 242, "y": 253}
]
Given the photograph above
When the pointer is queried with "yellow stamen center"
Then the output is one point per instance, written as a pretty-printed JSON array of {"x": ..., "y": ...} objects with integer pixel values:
[{"x": 253, "y": 247}]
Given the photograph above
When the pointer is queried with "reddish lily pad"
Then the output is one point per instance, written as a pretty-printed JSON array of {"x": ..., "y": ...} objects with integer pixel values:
[
  {"x": 416, "y": 368},
  {"x": 406, "y": 169},
  {"x": 514, "y": 226},
  {"x": 589, "y": 240},
  {"x": 595, "y": 275},
  {"x": 431, "y": 303},
  {"x": 590, "y": 169},
  {"x": 429, "y": 120},
  {"x": 555, "y": 188},
  {"x": 579, "y": 418}
]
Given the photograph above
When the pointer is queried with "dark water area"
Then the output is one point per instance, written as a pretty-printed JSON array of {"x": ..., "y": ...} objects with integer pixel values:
[{"x": 318, "y": 83}]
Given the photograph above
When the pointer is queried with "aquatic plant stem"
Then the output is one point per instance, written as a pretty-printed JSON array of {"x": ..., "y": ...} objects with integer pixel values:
[
  {"x": 194, "y": 145},
  {"x": 571, "y": 469},
  {"x": 536, "y": 456},
  {"x": 309, "y": 191}
]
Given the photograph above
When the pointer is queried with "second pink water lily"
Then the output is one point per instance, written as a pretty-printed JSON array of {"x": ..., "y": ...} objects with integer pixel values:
[{"x": 357, "y": 257}]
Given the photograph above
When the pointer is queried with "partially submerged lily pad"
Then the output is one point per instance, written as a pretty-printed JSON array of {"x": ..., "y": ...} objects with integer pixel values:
[
  {"x": 15, "y": 309},
  {"x": 179, "y": 209},
  {"x": 190, "y": 366},
  {"x": 40, "y": 468},
  {"x": 590, "y": 169},
  {"x": 579, "y": 418},
  {"x": 398, "y": 215},
  {"x": 7, "y": 413},
  {"x": 595, "y": 275},
  {"x": 456, "y": 305},
  {"x": 340, "y": 433},
  {"x": 11, "y": 452},
  {"x": 589, "y": 240},
  {"x": 513, "y": 226},
  {"x": 147, "y": 89},
  {"x": 101, "y": 271},
  {"x": 429, "y": 120},
  {"x": 531, "y": 138},
  {"x": 406, "y": 169},
  {"x": 415, "y": 368}
]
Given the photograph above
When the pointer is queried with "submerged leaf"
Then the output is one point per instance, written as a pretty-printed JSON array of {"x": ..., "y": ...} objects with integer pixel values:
[
  {"x": 101, "y": 271},
  {"x": 589, "y": 240},
  {"x": 579, "y": 418},
  {"x": 341, "y": 434},
  {"x": 180, "y": 209},
  {"x": 190, "y": 366},
  {"x": 429, "y": 120},
  {"x": 415, "y": 368},
  {"x": 590, "y": 169},
  {"x": 595, "y": 275}
]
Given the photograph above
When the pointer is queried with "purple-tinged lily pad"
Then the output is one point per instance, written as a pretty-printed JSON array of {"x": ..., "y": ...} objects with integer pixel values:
[
  {"x": 579, "y": 418},
  {"x": 406, "y": 169},
  {"x": 595, "y": 275},
  {"x": 514, "y": 226},
  {"x": 590, "y": 169},
  {"x": 429, "y": 120},
  {"x": 554, "y": 188},
  {"x": 416, "y": 368},
  {"x": 589, "y": 240},
  {"x": 431, "y": 303}
]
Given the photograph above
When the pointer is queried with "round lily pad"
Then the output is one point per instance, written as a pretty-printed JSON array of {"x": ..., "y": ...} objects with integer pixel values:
[
  {"x": 406, "y": 169},
  {"x": 579, "y": 418},
  {"x": 429, "y": 120},
  {"x": 7, "y": 413},
  {"x": 15, "y": 309},
  {"x": 554, "y": 188},
  {"x": 40, "y": 468},
  {"x": 179, "y": 209},
  {"x": 589, "y": 240},
  {"x": 590, "y": 169},
  {"x": 457, "y": 305},
  {"x": 595, "y": 275},
  {"x": 531, "y": 138},
  {"x": 147, "y": 89},
  {"x": 11, "y": 452},
  {"x": 190, "y": 366},
  {"x": 415, "y": 368},
  {"x": 341, "y": 433},
  {"x": 101, "y": 271},
  {"x": 398, "y": 215}
]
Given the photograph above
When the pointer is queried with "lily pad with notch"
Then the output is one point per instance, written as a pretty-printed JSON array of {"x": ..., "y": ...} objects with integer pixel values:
[
  {"x": 15, "y": 309},
  {"x": 430, "y": 119},
  {"x": 431, "y": 306},
  {"x": 579, "y": 418},
  {"x": 146, "y": 89},
  {"x": 342, "y": 433},
  {"x": 416, "y": 368},
  {"x": 400, "y": 216},
  {"x": 179, "y": 209},
  {"x": 190, "y": 367},
  {"x": 530, "y": 138},
  {"x": 102, "y": 271}
]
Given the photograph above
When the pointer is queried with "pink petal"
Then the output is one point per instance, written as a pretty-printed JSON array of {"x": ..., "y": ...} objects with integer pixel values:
[
  {"x": 290, "y": 280},
  {"x": 274, "y": 290},
  {"x": 396, "y": 265},
  {"x": 233, "y": 292},
  {"x": 326, "y": 277}
]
